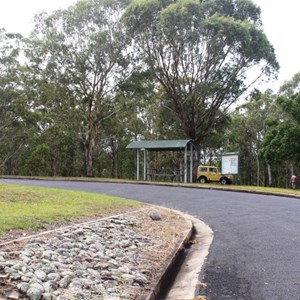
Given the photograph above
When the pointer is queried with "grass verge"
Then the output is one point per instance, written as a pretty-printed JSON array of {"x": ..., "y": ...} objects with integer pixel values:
[
  {"x": 24, "y": 207},
  {"x": 252, "y": 189}
]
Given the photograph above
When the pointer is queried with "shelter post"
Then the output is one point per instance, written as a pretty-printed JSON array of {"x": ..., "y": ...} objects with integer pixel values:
[
  {"x": 185, "y": 164},
  {"x": 191, "y": 162},
  {"x": 145, "y": 164},
  {"x": 138, "y": 164}
]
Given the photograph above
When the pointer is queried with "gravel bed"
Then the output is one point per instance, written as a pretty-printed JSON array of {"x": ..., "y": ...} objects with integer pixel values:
[{"x": 107, "y": 259}]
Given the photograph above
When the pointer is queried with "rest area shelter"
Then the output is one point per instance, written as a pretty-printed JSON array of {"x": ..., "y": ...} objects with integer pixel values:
[{"x": 184, "y": 149}]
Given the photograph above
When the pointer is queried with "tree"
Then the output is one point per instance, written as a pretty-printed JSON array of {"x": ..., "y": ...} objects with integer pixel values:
[
  {"x": 291, "y": 87},
  {"x": 64, "y": 154},
  {"x": 39, "y": 162},
  {"x": 200, "y": 52},
  {"x": 17, "y": 120},
  {"x": 77, "y": 54},
  {"x": 246, "y": 133},
  {"x": 282, "y": 141}
]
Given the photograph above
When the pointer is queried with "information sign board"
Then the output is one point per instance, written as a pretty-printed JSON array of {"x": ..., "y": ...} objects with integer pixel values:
[{"x": 230, "y": 163}]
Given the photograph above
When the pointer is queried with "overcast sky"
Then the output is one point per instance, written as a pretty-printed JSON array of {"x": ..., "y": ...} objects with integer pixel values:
[{"x": 280, "y": 18}]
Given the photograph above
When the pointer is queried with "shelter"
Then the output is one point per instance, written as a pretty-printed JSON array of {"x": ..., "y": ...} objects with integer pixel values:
[{"x": 186, "y": 146}]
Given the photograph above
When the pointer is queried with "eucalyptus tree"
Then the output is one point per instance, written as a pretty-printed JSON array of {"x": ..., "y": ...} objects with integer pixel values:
[
  {"x": 17, "y": 120},
  {"x": 8, "y": 79},
  {"x": 282, "y": 141},
  {"x": 281, "y": 148},
  {"x": 291, "y": 87},
  {"x": 200, "y": 53},
  {"x": 246, "y": 133},
  {"x": 76, "y": 60}
]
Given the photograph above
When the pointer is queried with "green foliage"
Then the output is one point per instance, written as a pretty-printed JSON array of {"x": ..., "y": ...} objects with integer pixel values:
[
  {"x": 18, "y": 122},
  {"x": 101, "y": 73},
  {"x": 39, "y": 162},
  {"x": 198, "y": 52},
  {"x": 78, "y": 61},
  {"x": 291, "y": 105},
  {"x": 281, "y": 145},
  {"x": 246, "y": 133},
  {"x": 291, "y": 87},
  {"x": 56, "y": 152}
]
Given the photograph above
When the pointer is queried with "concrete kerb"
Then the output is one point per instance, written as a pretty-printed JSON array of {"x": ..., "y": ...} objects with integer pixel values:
[
  {"x": 171, "y": 266},
  {"x": 188, "y": 278},
  {"x": 185, "y": 283}
]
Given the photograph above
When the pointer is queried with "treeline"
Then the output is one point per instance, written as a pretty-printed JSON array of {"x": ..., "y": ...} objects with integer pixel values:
[
  {"x": 266, "y": 132},
  {"x": 91, "y": 78}
]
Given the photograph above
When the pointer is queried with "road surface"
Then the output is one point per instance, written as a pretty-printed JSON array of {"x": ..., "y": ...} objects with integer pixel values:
[{"x": 255, "y": 254}]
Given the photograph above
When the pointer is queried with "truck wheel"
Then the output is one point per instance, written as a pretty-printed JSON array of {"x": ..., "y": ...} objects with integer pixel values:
[
  {"x": 202, "y": 179},
  {"x": 223, "y": 180}
]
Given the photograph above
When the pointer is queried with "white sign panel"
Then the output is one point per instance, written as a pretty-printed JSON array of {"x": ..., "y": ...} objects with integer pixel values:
[{"x": 230, "y": 163}]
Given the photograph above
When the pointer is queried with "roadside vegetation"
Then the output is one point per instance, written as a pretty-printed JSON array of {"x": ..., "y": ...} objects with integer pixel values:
[
  {"x": 145, "y": 70},
  {"x": 252, "y": 189},
  {"x": 239, "y": 188},
  {"x": 27, "y": 208}
]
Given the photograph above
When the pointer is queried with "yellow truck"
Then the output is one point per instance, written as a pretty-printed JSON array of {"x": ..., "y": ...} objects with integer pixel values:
[{"x": 212, "y": 174}]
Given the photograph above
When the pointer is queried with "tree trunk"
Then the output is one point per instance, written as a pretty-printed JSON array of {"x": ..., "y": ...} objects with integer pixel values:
[
  {"x": 88, "y": 152},
  {"x": 114, "y": 166},
  {"x": 269, "y": 175},
  {"x": 292, "y": 168},
  {"x": 258, "y": 172}
]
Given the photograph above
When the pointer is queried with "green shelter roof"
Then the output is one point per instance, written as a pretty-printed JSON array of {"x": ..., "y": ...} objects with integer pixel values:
[{"x": 171, "y": 145}]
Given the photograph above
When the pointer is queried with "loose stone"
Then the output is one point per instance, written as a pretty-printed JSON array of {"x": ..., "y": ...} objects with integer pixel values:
[
  {"x": 34, "y": 294},
  {"x": 13, "y": 295},
  {"x": 89, "y": 262}
]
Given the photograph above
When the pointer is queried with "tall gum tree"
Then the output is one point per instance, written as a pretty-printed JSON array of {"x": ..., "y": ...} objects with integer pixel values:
[
  {"x": 246, "y": 132},
  {"x": 77, "y": 53},
  {"x": 17, "y": 120},
  {"x": 282, "y": 142},
  {"x": 200, "y": 52}
]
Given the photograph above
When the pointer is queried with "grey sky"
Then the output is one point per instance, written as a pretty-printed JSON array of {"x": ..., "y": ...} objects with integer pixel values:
[{"x": 280, "y": 24}]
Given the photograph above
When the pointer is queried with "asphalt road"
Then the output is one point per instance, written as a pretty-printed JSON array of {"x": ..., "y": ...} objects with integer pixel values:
[{"x": 255, "y": 254}]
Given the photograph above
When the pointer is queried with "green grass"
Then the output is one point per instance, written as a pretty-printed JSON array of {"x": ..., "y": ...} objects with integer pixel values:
[
  {"x": 23, "y": 207},
  {"x": 254, "y": 189}
]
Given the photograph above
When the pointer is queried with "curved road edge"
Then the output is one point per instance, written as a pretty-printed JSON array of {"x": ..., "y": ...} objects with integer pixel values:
[{"x": 187, "y": 278}]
